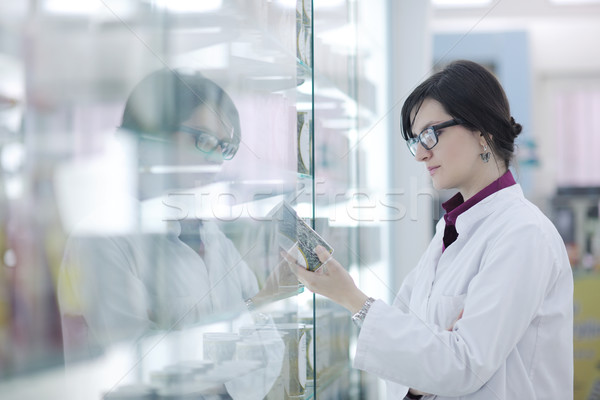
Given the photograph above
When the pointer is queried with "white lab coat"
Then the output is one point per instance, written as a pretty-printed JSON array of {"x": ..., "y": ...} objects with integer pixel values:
[
  {"x": 510, "y": 273},
  {"x": 120, "y": 286},
  {"x": 116, "y": 288}
]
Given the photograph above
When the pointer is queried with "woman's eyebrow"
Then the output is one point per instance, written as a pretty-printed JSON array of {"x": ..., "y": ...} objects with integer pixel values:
[{"x": 428, "y": 124}]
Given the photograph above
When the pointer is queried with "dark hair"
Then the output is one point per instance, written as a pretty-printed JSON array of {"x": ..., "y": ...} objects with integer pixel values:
[
  {"x": 469, "y": 92},
  {"x": 163, "y": 100}
]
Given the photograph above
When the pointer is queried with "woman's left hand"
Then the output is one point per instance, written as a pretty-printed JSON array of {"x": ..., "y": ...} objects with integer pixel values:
[
  {"x": 330, "y": 280},
  {"x": 280, "y": 283}
]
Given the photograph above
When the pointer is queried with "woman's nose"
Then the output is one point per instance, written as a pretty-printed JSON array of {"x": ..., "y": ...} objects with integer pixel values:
[{"x": 422, "y": 153}]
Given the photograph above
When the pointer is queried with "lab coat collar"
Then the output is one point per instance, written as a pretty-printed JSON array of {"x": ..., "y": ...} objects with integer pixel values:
[
  {"x": 487, "y": 206},
  {"x": 157, "y": 217}
]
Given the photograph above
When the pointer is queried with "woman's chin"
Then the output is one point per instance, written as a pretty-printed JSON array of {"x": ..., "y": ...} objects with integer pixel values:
[{"x": 437, "y": 184}]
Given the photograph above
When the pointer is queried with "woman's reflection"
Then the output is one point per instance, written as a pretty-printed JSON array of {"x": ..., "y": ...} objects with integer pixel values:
[{"x": 169, "y": 269}]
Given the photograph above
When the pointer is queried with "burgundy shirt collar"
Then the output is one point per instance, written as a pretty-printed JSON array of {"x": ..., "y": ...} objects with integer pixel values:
[{"x": 456, "y": 205}]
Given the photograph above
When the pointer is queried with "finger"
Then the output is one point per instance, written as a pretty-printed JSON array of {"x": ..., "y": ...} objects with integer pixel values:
[
  {"x": 288, "y": 257},
  {"x": 303, "y": 275},
  {"x": 289, "y": 261},
  {"x": 322, "y": 253},
  {"x": 451, "y": 327},
  {"x": 321, "y": 270}
]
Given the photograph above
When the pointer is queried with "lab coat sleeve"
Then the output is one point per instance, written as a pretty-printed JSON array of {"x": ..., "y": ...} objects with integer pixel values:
[
  {"x": 246, "y": 276},
  {"x": 97, "y": 273},
  {"x": 515, "y": 273},
  {"x": 229, "y": 262}
]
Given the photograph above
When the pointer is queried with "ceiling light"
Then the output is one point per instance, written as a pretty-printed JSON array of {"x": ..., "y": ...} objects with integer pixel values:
[
  {"x": 574, "y": 2},
  {"x": 180, "y": 6},
  {"x": 460, "y": 3}
]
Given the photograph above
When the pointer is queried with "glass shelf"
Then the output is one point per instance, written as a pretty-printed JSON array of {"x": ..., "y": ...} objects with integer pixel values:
[{"x": 72, "y": 75}]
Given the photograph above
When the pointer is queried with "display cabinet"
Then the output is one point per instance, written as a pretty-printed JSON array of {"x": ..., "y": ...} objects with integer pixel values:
[{"x": 148, "y": 150}]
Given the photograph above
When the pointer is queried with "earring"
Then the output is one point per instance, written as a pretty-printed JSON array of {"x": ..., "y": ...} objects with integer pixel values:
[{"x": 485, "y": 156}]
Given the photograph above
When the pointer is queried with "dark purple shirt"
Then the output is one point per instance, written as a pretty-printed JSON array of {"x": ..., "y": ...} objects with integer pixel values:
[{"x": 456, "y": 205}]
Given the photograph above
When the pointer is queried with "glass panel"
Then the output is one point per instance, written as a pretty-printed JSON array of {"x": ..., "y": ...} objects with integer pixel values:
[
  {"x": 156, "y": 264},
  {"x": 147, "y": 267},
  {"x": 352, "y": 198},
  {"x": 335, "y": 155},
  {"x": 385, "y": 205}
]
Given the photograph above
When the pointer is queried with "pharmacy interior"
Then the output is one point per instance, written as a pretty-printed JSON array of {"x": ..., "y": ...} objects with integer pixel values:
[{"x": 158, "y": 156}]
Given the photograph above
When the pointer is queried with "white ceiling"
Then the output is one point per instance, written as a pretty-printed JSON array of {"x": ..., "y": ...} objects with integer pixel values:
[
  {"x": 562, "y": 38},
  {"x": 535, "y": 9}
]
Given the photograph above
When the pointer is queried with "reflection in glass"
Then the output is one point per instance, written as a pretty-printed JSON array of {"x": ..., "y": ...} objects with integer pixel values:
[{"x": 142, "y": 264}]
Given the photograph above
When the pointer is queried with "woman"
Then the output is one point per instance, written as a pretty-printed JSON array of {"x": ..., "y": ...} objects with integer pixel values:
[
  {"x": 487, "y": 312},
  {"x": 168, "y": 269},
  {"x": 114, "y": 286}
]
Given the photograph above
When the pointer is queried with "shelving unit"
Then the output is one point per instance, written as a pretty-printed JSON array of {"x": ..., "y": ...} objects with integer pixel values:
[{"x": 295, "y": 72}]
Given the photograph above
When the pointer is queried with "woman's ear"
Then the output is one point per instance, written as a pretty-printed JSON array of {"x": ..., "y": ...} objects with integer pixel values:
[{"x": 482, "y": 139}]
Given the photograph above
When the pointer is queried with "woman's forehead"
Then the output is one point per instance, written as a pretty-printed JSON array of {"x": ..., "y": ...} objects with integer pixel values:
[
  {"x": 207, "y": 118},
  {"x": 428, "y": 113}
]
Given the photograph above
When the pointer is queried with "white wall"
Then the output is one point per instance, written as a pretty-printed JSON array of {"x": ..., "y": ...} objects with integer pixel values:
[
  {"x": 563, "y": 42},
  {"x": 410, "y": 64},
  {"x": 564, "y": 55}
]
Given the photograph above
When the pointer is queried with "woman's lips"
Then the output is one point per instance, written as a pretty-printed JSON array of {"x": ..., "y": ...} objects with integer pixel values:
[{"x": 432, "y": 169}]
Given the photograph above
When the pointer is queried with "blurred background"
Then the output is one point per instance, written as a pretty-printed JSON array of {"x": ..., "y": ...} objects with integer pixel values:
[{"x": 318, "y": 85}]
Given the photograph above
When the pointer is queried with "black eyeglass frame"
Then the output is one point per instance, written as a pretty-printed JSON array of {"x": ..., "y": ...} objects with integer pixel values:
[
  {"x": 432, "y": 130},
  {"x": 228, "y": 149}
]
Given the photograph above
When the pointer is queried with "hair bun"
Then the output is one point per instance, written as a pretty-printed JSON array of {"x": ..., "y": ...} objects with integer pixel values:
[{"x": 516, "y": 127}]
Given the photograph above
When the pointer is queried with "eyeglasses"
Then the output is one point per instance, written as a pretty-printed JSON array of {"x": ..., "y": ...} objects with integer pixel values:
[
  {"x": 429, "y": 136},
  {"x": 207, "y": 142}
]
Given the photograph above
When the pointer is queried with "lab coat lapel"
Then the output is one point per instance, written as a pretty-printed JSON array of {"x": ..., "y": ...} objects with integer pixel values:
[
  {"x": 426, "y": 278},
  {"x": 467, "y": 221}
]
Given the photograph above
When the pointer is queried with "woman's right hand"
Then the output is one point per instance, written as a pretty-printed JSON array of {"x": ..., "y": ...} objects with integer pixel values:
[
  {"x": 331, "y": 280},
  {"x": 456, "y": 320}
]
